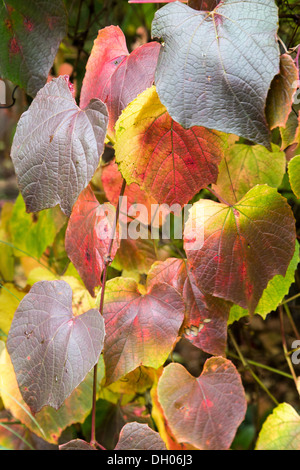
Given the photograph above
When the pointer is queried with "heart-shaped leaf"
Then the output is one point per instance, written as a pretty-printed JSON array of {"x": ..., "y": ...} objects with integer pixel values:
[
  {"x": 88, "y": 236},
  {"x": 57, "y": 146},
  {"x": 114, "y": 76},
  {"x": 204, "y": 411},
  {"x": 282, "y": 92},
  {"x": 51, "y": 350},
  {"x": 244, "y": 166},
  {"x": 30, "y": 37},
  {"x": 48, "y": 423},
  {"x": 169, "y": 162},
  {"x": 215, "y": 68},
  {"x": 137, "y": 323},
  {"x": 206, "y": 316},
  {"x": 244, "y": 246},
  {"x": 137, "y": 436}
]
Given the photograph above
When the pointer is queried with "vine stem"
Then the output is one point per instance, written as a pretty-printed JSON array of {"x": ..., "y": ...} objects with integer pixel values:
[
  {"x": 107, "y": 261},
  {"x": 285, "y": 350},
  {"x": 247, "y": 367}
]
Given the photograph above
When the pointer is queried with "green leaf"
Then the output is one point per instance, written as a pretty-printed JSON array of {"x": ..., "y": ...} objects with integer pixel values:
[
  {"x": 30, "y": 33},
  {"x": 294, "y": 174},
  {"x": 215, "y": 68},
  {"x": 33, "y": 233},
  {"x": 277, "y": 289},
  {"x": 244, "y": 166},
  {"x": 281, "y": 430}
]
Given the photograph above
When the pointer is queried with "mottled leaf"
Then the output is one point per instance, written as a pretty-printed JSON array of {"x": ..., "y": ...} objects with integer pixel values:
[
  {"x": 273, "y": 295},
  {"x": 114, "y": 76},
  {"x": 48, "y": 423},
  {"x": 206, "y": 316},
  {"x": 244, "y": 166},
  {"x": 51, "y": 350},
  {"x": 135, "y": 255},
  {"x": 76, "y": 444},
  {"x": 137, "y": 436},
  {"x": 282, "y": 92},
  {"x": 294, "y": 175},
  {"x": 204, "y": 411},
  {"x": 244, "y": 246},
  {"x": 88, "y": 236},
  {"x": 215, "y": 68},
  {"x": 137, "y": 323},
  {"x": 30, "y": 36},
  {"x": 281, "y": 430},
  {"x": 169, "y": 162},
  {"x": 57, "y": 146}
]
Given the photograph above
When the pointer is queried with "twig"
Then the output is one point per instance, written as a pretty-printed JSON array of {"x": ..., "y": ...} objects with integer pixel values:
[
  {"x": 285, "y": 349},
  {"x": 107, "y": 262},
  {"x": 247, "y": 367}
]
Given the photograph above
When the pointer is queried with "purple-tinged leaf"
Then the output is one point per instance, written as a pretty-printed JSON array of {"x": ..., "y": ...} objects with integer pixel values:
[
  {"x": 57, "y": 146},
  {"x": 137, "y": 436},
  {"x": 141, "y": 328},
  {"x": 204, "y": 411},
  {"x": 215, "y": 68},
  {"x": 51, "y": 350},
  {"x": 76, "y": 444}
]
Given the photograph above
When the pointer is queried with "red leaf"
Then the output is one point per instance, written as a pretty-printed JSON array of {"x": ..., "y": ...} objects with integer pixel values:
[
  {"x": 204, "y": 411},
  {"x": 114, "y": 76},
  {"x": 88, "y": 237},
  {"x": 205, "y": 324},
  {"x": 140, "y": 329},
  {"x": 169, "y": 162},
  {"x": 245, "y": 245},
  {"x": 51, "y": 349}
]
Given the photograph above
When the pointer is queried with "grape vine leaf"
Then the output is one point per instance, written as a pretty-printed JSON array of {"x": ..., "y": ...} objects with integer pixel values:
[
  {"x": 88, "y": 236},
  {"x": 51, "y": 350},
  {"x": 76, "y": 444},
  {"x": 244, "y": 166},
  {"x": 204, "y": 411},
  {"x": 294, "y": 175},
  {"x": 57, "y": 146},
  {"x": 244, "y": 245},
  {"x": 273, "y": 295},
  {"x": 136, "y": 323},
  {"x": 215, "y": 68},
  {"x": 205, "y": 324},
  {"x": 137, "y": 436},
  {"x": 47, "y": 423},
  {"x": 281, "y": 430},
  {"x": 167, "y": 161},
  {"x": 282, "y": 92},
  {"x": 115, "y": 76},
  {"x": 31, "y": 33}
]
